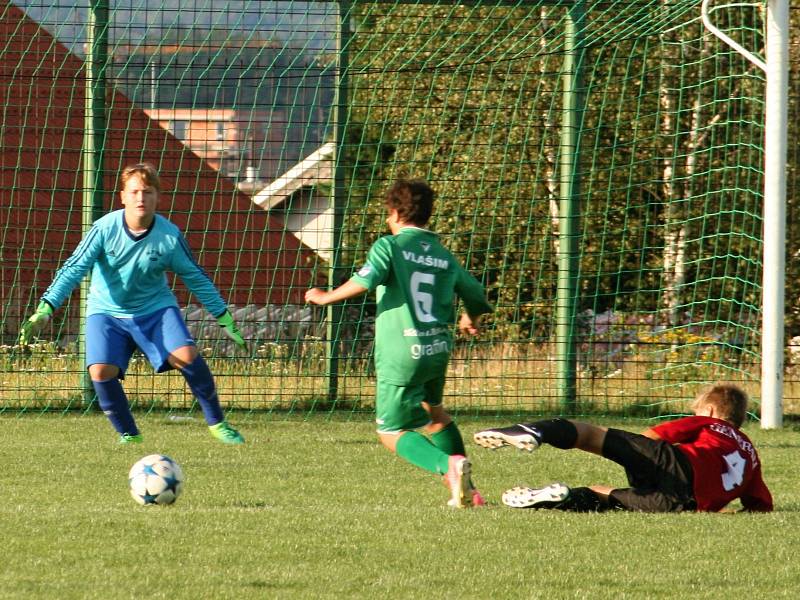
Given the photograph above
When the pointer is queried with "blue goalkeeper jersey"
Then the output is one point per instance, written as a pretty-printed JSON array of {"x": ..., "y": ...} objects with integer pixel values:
[{"x": 128, "y": 271}]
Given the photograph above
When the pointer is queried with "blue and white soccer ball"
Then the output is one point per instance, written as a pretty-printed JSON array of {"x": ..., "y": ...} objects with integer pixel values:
[{"x": 155, "y": 479}]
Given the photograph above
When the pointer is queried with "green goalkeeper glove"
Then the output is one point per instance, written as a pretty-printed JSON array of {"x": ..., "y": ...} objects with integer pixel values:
[
  {"x": 230, "y": 329},
  {"x": 35, "y": 323}
]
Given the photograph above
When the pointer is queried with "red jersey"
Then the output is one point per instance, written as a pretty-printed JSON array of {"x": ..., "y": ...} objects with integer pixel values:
[{"x": 725, "y": 463}]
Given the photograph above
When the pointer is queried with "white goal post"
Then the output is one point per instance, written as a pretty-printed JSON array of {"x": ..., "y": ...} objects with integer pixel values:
[{"x": 776, "y": 68}]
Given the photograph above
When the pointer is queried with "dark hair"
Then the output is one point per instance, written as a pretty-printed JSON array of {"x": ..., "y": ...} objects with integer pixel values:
[
  {"x": 412, "y": 199},
  {"x": 146, "y": 171},
  {"x": 729, "y": 400}
]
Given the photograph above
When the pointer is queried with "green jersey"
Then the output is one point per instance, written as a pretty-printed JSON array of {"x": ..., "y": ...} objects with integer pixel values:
[{"x": 417, "y": 280}]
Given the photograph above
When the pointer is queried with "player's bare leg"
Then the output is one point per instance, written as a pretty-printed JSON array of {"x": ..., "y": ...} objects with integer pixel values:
[
  {"x": 182, "y": 357},
  {"x": 389, "y": 440},
  {"x": 604, "y": 491},
  {"x": 590, "y": 437},
  {"x": 101, "y": 372}
]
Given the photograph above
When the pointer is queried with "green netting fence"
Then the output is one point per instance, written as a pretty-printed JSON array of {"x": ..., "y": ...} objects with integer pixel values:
[{"x": 599, "y": 166}]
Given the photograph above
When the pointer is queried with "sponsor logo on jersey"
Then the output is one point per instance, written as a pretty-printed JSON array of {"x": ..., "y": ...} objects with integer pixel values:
[
  {"x": 428, "y": 261},
  {"x": 420, "y": 350},
  {"x": 729, "y": 431},
  {"x": 411, "y": 332},
  {"x": 425, "y": 246},
  {"x": 364, "y": 271}
]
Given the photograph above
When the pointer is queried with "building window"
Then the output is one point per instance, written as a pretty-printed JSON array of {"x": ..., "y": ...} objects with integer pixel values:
[{"x": 178, "y": 129}]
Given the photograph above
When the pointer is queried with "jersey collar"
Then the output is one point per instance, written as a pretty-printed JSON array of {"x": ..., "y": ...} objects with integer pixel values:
[
  {"x": 136, "y": 237},
  {"x": 412, "y": 228}
]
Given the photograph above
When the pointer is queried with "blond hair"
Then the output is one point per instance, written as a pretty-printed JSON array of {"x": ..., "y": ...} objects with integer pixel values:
[
  {"x": 146, "y": 171},
  {"x": 729, "y": 402}
]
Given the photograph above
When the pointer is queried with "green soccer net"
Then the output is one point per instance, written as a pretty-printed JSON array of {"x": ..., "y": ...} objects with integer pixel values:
[{"x": 598, "y": 165}]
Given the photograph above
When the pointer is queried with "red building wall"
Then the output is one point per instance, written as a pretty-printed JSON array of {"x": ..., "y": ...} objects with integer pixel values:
[{"x": 250, "y": 256}]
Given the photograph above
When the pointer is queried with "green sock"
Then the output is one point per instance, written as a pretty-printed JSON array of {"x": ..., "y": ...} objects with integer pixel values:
[
  {"x": 419, "y": 451},
  {"x": 449, "y": 440}
]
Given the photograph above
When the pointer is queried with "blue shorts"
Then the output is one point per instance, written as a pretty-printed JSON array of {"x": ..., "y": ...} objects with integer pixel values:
[{"x": 112, "y": 340}]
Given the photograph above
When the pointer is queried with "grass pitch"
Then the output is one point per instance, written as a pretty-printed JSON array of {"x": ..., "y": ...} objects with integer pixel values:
[{"x": 317, "y": 509}]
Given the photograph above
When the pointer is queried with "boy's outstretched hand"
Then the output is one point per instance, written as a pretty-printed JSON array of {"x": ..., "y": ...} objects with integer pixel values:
[
  {"x": 315, "y": 296},
  {"x": 469, "y": 325}
]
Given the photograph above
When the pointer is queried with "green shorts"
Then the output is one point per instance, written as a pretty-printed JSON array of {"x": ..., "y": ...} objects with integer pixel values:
[{"x": 399, "y": 407}]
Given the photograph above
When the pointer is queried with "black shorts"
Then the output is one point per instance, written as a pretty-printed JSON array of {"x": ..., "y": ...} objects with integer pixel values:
[{"x": 659, "y": 474}]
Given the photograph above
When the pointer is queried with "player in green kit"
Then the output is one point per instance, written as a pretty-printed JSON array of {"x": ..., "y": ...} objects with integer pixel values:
[{"x": 416, "y": 280}]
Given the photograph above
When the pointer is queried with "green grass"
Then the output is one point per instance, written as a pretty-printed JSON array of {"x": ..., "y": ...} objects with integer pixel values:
[{"x": 318, "y": 509}]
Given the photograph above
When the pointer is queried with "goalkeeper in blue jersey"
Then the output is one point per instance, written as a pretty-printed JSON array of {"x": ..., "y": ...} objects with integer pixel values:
[
  {"x": 130, "y": 304},
  {"x": 416, "y": 281}
]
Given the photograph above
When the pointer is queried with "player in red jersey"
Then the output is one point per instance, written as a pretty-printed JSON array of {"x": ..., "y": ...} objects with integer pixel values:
[{"x": 697, "y": 463}]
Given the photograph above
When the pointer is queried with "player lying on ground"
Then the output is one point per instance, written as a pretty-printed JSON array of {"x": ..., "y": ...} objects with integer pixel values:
[
  {"x": 416, "y": 280},
  {"x": 701, "y": 463},
  {"x": 130, "y": 304}
]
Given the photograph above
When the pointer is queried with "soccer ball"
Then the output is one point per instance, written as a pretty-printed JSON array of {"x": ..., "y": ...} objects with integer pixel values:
[{"x": 155, "y": 479}]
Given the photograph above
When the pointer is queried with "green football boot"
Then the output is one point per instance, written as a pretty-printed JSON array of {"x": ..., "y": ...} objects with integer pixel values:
[
  {"x": 225, "y": 433},
  {"x": 127, "y": 438}
]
